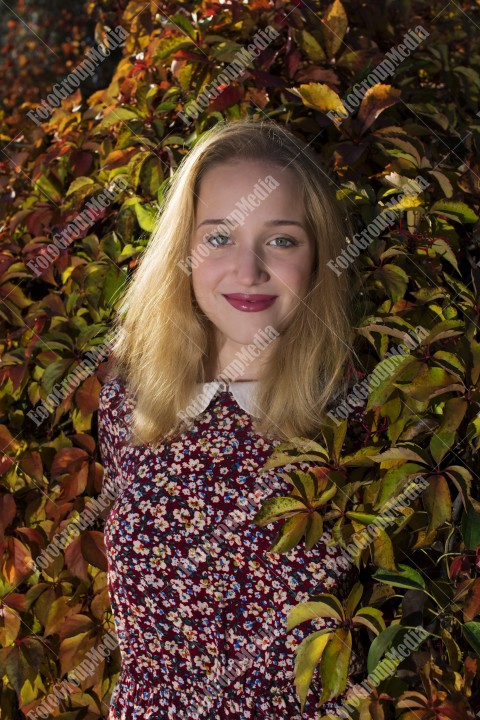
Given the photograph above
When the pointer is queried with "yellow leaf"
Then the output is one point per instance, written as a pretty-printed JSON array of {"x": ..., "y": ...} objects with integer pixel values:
[
  {"x": 335, "y": 663},
  {"x": 309, "y": 652},
  {"x": 314, "y": 609},
  {"x": 320, "y": 97},
  {"x": 408, "y": 201},
  {"x": 334, "y": 27}
]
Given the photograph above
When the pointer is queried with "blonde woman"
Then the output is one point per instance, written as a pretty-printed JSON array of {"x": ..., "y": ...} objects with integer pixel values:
[{"x": 233, "y": 335}]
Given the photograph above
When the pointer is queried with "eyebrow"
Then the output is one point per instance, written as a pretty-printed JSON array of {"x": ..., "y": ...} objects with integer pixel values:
[{"x": 220, "y": 221}]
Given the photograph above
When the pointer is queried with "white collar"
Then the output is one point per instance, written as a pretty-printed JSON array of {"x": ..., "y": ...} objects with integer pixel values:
[{"x": 243, "y": 392}]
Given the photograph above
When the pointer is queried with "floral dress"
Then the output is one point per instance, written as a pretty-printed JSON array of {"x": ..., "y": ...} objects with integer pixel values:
[{"x": 199, "y": 603}]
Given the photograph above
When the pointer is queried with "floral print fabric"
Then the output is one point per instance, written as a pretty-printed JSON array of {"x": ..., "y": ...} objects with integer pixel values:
[{"x": 199, "y": 603}]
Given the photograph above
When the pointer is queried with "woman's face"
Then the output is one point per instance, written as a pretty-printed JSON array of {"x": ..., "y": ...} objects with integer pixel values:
[{"x": 263, "y": 250}]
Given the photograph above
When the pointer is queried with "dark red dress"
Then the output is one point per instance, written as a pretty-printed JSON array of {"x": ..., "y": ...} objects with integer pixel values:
[{"x": 198, "y": 601}]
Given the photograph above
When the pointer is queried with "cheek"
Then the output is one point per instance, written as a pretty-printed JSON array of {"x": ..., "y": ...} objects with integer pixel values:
[
  {"x": 296, "y": 278},
  {"x": 204, "y": 278}
]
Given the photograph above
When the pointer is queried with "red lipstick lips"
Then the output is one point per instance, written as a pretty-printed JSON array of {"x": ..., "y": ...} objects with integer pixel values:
[{"x": 248, "y": 302}]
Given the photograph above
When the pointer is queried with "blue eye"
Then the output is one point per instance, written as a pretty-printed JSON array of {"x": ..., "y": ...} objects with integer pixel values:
[
  {"x": 214, "y": 237},
  {"x": 211, "y": 240},
  {"x": 288, "y": 240}
]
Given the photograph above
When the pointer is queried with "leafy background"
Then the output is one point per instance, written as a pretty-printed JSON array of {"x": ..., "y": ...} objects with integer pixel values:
[{"x": 423, "y": 419}]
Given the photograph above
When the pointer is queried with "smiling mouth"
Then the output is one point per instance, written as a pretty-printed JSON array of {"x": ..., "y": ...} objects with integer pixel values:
[{"x": 249, "y": 302}]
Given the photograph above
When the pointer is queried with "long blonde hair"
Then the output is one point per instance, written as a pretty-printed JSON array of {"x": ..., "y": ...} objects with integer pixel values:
[{"x": 161, "y": 340}]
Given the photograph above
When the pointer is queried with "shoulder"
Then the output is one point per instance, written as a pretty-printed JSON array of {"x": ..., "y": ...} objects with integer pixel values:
[
  {"x": 115, "y": 406},
  {"x": 113, "y": 394},
  {"x": 112, "y": 388}
]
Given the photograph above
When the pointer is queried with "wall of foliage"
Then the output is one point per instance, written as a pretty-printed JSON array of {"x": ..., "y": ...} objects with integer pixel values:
[{"x": 421, "y": 420}]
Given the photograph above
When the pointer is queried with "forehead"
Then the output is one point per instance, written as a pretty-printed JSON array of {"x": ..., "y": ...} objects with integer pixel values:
[{"x": 269, "y": 186}]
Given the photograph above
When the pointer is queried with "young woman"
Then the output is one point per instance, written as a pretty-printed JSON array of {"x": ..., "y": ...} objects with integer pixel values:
[{"x": 233, "y": 336}]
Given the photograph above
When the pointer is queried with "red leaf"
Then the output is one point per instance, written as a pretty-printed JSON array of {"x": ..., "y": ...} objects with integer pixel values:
[
  {"x": 93, "y": 549},
  {"x": 86, "y": 397},
  {"x": 472, "y": 605},
  {"x": 74, "y": 560},
  {"x": 68, "y": 460},
  {"x": 8, "y": 510}
]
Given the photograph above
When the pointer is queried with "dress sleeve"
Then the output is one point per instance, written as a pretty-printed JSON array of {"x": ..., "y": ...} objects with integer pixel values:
[{"x": 108, "y": 436}]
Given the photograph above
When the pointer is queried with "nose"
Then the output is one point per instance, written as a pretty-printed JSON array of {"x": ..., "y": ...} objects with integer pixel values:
[{"x": 250, "y": 267}]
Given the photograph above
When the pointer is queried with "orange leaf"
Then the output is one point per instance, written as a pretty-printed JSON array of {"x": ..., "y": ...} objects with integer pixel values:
[
  {"x": 16, "y": 566},
  {"x": 377, "y": 99}
]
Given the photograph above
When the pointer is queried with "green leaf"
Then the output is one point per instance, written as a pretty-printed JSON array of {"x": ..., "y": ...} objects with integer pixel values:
[
  {"x": 180, "y": 21},
  {"x": 56, "y": 371},
  {"x": 383, "y": 554},
  {"x": 314, "y": 530},
  {"x": 353, "y": 599},
  {"x": 277, "y": 508},
  {"x": 462, "y": 480},
  {"x": 371, "y": 618},
  {"x": 444, "y": 437},
  {"x": 166, "y": 46},
  {"x": 443, "y": 249},
  {"x": 114, "y": 282},
  {"x": 17, "y": 668},
  {"x": 431, "y": 381},
  {"x": 361, "y": 458},
  {"x": 327, "y": 495},
  {"x": 407, "y": 577},
  {"x": 445, "y": 329},
  {"x": 454, "y": 210},
  {"x": 471, "y": 528},
  {"x": 80, "y": 183},
  {"x": 361, "y": 517},
  {"x": 310, "y": 45},
  {"x": 394, "y": 279},
  {"x": 330, "y": 608},
  {"x": 399, "y": 453},
  {"x": 471, "y": 631},
  {"x": 381, "y": 384},
  {"x": 453, "y": 363},
  {"x": 290, "y": 533},
  {"x": 394, "y": 481},
  {"x": 120, "y": 114},
  {"x": 49, "y": 187},
  {"x": 443, "y": 181},
  {"x": 437, "y": 502},
  {"x": 334, "y": 664},
  {"x": 305, "y": 483},
  {"x": 380, "y": 645},
  {"x": 146, "y": 215},
  {"x": 475, "y": 353}
]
